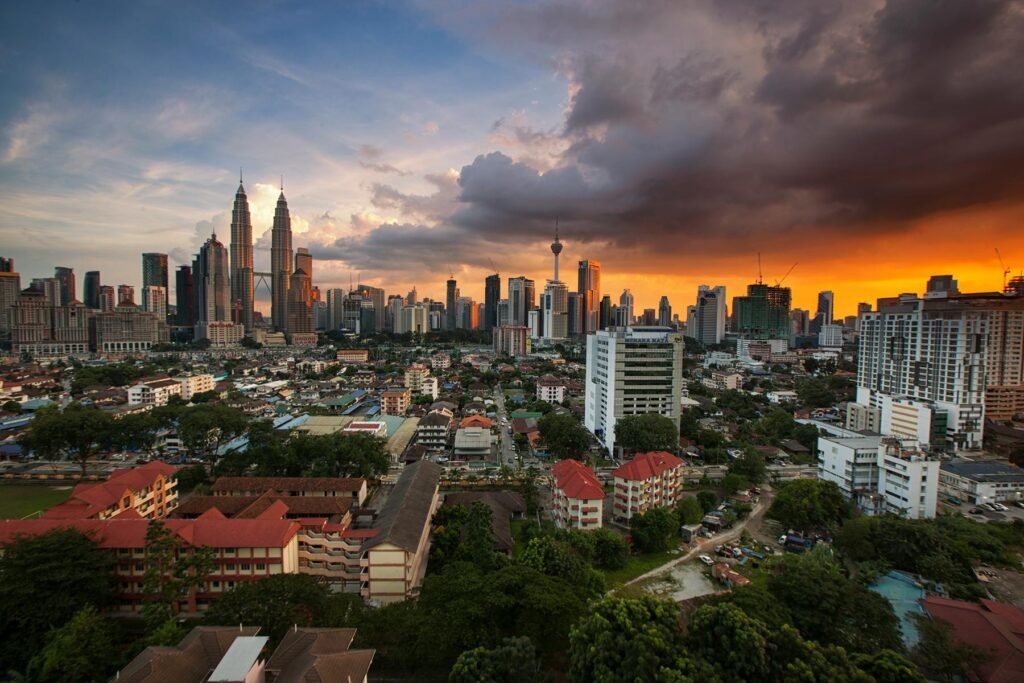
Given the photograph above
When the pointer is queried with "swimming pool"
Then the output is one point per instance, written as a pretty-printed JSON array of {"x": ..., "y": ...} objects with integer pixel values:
[{"x": 904, "y": 593}]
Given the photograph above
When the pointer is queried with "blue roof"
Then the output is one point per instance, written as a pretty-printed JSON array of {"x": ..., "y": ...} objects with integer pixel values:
[
  {"x": 392, "y": 421},
  {"x": 15, "y": 422},
  {"x": 36, "y": 404}
]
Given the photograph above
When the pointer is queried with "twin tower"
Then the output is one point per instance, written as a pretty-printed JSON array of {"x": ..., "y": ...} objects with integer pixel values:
[{"x": 286, "y": 315}]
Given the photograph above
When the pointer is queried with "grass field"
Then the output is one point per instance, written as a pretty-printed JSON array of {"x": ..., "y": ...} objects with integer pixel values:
[
  {"x": 637, "y": 565},
  {"x": 19, "y": 500}
]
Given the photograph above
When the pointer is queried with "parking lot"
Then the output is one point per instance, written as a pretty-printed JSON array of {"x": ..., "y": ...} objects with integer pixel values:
[{"x": 980, "y": 513}]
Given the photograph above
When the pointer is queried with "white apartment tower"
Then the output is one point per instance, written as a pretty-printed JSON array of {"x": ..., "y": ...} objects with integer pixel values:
[
  {"x": 632, "y": 371},
  {"x": 709, "y": 326}
]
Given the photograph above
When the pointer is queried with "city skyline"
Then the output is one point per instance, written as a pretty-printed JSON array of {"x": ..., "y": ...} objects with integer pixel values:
[{"x": 392, "y": 185}]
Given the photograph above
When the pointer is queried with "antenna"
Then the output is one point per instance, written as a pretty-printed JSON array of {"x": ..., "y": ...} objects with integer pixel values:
[
  {"x": 282, "y": 182},
  {"x": 1006, "y": 271},
  {"x": 556, "y": 228},
  {"x": 760, "y": 279},
  {"x": 778, "y": 283},
  {"x": 239, "y": 175}
]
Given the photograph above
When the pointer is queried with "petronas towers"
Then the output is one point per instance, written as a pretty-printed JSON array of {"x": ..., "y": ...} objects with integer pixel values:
[
  {"x": 280, "y": 263},
  {"x": 241, "y": 260}
]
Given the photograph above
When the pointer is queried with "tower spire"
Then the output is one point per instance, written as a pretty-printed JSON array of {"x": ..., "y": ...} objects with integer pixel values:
[{"x": 239, "y": 175}]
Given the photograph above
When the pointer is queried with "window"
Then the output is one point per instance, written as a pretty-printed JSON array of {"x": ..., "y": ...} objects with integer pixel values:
[
  {"x": 260, "y": 567},
  {"x": 245, "y": 566}
]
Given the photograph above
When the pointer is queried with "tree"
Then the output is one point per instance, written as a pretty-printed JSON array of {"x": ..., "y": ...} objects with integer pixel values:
[
  {"x": 654, "y": 531},
  {"x": 610, "y": 550},
  {"x": 708, "y": 500},
  {"x": 277, "y": 603},
  {"x": 552, "y": 557},
  {"x": 564, "y": 436},
  {"x": 135, "y": 432},
  {"x": 810, "y": 504},
  {"x": 648, "y": 432},
  {"x": 203, "y": 429},
  {"x": 44, "y": 581},
  {"x": 750, "y": 466},
  {"x": 12, "y": 407},
  {"x": 690, "y": 510},
  {"x": 888, "y": 666},
  {"x": 78, "y": 432},
  {"x": 80, "y": 651},
  {"x": 733, "y": 482},
  {"x": 626, "y": 640},
  {"x": 1017, "y": 457},
  {"x": 939, "y": 654},
  {"x": 514, "y": 660},
  {"x": 340, "y": 455},
  {"x": 190, "y": 477},
  {"x": 172, "y": 570},
  {"x": 815, "y": 393},
  {"x": 736, "y": 643}
]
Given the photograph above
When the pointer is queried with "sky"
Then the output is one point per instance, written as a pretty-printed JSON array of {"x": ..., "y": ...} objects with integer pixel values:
[{"x": 857, "y": 146}]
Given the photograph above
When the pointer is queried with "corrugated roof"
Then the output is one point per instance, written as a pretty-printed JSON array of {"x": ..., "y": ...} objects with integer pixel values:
[{"x": 408, "y": 508}]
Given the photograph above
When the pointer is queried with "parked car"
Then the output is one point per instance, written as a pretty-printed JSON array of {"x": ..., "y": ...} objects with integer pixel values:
[
  {"x": 976, "y": 511},
  {"x": 706, "y": 559},
  {"x": 1000, "y": 507},
  {"x": 953, "y": 500}
]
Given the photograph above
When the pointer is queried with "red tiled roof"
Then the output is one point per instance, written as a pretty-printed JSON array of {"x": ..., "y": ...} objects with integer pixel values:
[
  {"x": 646, "y": 465},
  {"x": 476, "y": 421},
  {"x": 229, "y": 484},
  {"x": 88, "y": 500},
  {"x": 995, "y": 628},
  {"x": 577, "y": 480}
]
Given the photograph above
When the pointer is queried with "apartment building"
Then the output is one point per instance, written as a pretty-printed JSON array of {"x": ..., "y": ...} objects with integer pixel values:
[
  {"x": 434, "y": 430},
  {"x": 414, "y": 376},
  {"x": 353, "y": 355},
  {"x": 632, "y": 371},
  {"x": 851, "y": 463},
  {"x": 550, "y": 389},
  {"x": 154, "y": 392},
  {"x": 577, "y": 496},
  {"x": 723, "y": 380},
  {"x": 649, "y": 480},
  {"x": 440, "y": 361},
  {"x": 908, "y": 479},
  {"x": 150, "y": 491},
  {"x": 395, "y": 402},
  {"x": 195, "y": 384}
]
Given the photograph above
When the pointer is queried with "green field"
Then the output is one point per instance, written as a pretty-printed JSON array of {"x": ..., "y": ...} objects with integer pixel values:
[
  {"x": 20, "y": 500},
  {"x": 637, "y": 565}
]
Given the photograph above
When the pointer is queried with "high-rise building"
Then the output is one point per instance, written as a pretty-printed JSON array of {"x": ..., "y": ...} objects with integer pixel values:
[
  {"x": 465, "y": 314},
  {"x": 664, "y": 312},
  {"x": 185, "y": 296},
  {"x": 374, "y": 295},
  {"x": 126, "y": 329},
  {"x": 154, "y": 270},
  {"x": 300, "y": 304},
  {"x": 555, "y": 311},
  {"x": 66, "y": 277},
  {"x": 414, "y": 319},
  {"x": 210, "y": 276},
  {"x": 44, "y": 330},
  {"x": 799, "y": 323},
  {"x": 412, "y": 298},
  {"x": 108, "y": 298},
  {"x": 575, "y": 325},
  {"x": 242, "y": 284},
  {"x": 691, "y": 327},
  {"x": 512, "y": 340},
  {"x": 503, "y": 313},
  {"x": 862, "y": 308},
  {"x": 589, "y": 288},
  {"x": 50, "y": 287},
  {"x": 649, "y": 317},
  {"x": 154, "y": 300},
  {"x": 763, "y": 313},
  {"x": 711, "y": 314},
  {"x": 394, "y": 312},
  {"x": 521, "y": 299},
  {"x": 125, "y": 295},
  {"x": 91, "y": 289},
  {"x": 451, "y": 295},
  {"x": 10, "y": 288},
  {"x": 625, "y": 317},
  {"x": 606, "y": 319},
  {"x": 631, "y": 371},
  {"x": 492, "y": 294},
  {"x": 304, "y": 260},
  {"x": 280, "y": 263},
  {"x": 825, "y": 313}
]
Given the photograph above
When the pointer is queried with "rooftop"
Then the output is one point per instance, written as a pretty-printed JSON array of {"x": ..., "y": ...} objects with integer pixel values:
[
  {"x": 408, "y": 509},
  {"x": 647, "y": 465},
  {"x": 990, "y": 471},
  {"x": 577, "y": 480}
]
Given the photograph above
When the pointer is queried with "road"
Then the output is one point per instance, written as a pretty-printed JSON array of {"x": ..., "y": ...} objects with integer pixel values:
[
  {"x": 753, "y": 521},
  {"x": 506, "y": 451}
]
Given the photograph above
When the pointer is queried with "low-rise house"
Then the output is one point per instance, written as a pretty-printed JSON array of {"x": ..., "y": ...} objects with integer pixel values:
[
  {"x": 994, "y": 628},
  {"x": 154, "y": 392},
  {"x": 473, "y": 443},
  {"x": 577, "y": 496},
  {"x": 649, "y": 480}
]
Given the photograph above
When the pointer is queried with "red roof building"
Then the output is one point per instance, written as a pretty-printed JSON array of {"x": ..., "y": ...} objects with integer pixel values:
[
  {"x": 995, "y": 628},
  {"x": 578, "y": 497},
  {"x": 649, "y": 480},
  {"x": 150, "y": 490}
]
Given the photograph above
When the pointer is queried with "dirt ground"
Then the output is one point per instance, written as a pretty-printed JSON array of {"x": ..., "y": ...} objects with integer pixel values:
[{"x": 1006, "y": 586}]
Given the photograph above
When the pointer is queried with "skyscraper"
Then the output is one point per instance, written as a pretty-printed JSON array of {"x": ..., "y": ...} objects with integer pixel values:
[
  {"x": 304, "y": 260},
  {"x": 210, "y": 273},
  {"x": 10, "y": 287},
  {"x": 242, "y": 288},
  {"x": 66, "y": 277},
  {"x": 826, "y": 307},
  {"x": 606, "y": 312},
  {"x": 589, "y": 288},
  {"x": 709, "y": 325},
  {"x": 91, "y": 289},
  {"x": 492, "y": 294},
  {"x": 574, "y": 314},
  {"x": 125, "y": 295},
  {"x": 300, "y": 305},
  {"x": 625, "y": 309},
  {"x": 185, "y": 296},
  {"x": 555, "y": 302},
  {"x": 154, "y": 300},
  {"x": 664, "y": 312},
  {"x": 763, "y": 313},
  {"x": 280, "y": 263},
  {"x": 108, "y": 298},
  {"x": 521, "y": 299},
  {"x": 451, "y": 295},
  {"x": 376, "y": 296},
  {"x": 154, "y": 270}
]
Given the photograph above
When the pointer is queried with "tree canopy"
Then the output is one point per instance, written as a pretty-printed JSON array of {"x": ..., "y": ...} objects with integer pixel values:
[
  {"x": 655, "y": 531},
  {"x": 78, "y": 432},
  {"x": 810, "y": 504},
  {"x": 648, "y": 432},
  {"x": 564, "y": 436}
]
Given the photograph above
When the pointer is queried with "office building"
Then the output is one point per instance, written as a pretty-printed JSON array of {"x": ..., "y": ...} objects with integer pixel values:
[
  {"x": 625, "y": 317},
  {"x": 154, "y": 270},
  {"x": 10, "y": 289},
  {"x": 605, "y": 313},
  {"x": 280, "y": 263},
  {"x": 825, "y": 315},
  {"x": 300, "y": 308},
  {"x": 763, "y": 313},
  {"x": 91, "y": 289},
  {"x": 799, "y": 323},
  {"x": 575, "y": 314},
  {"x": 211, "y": 282},
  {"x": 492, "y": 294},
  {"x": 375, "y": 295},
  {"x": 632, "y": 371},
  {"x": 451, "y": 296},
  {"x": 710, "y": 315},
  {"x": 978, "y": 482},
  {"x": 154, "y": 300},
  {"x": 126, "y": 329},
  {"x": 66, "y": 278},
  {"x": 830, "y": 336},
  {"x": 521, "y": 299},
  {"x": 589, "y": 288},
  {"x": 503, "y": 313},
  {"x": 242, "y": 282},
  {"x": 125, "y": 295},
  {"x": 413, "y": 319},
  {"x": 43, "y": 330},
  {"x": 108, "y": 298},
  {"x": 664, "y": 312},
  {"x": 648, "y": 481},
  {"x": 555, "y": 311},
  {"x": 185, "y": 297}
]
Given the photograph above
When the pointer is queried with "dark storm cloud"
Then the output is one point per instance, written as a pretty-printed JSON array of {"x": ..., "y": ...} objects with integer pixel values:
[{"x": 714, "y": 122}]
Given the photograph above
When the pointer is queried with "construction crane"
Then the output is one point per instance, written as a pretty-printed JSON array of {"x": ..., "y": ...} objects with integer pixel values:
[
  {"x": 1006, "y": 271},
  {"x": 760, "y": 279},
  {"x": 491, "y": 261},
  {"x": 778, "y": 283}
]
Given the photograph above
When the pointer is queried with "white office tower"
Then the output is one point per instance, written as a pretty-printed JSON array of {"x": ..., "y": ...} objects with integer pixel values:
[
  {"x": 555, "y": 309},
  {"x": 632, "y": 371},
  {"x": 831, "y": 337},
  {"x": 534, "y": 324},
  {"x": 922, "y": 364},
  {"x": 709, "y": 326}
]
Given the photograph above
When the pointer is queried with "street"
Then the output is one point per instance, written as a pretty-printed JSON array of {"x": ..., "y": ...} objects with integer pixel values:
[{"x": 506, "y": 448}]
